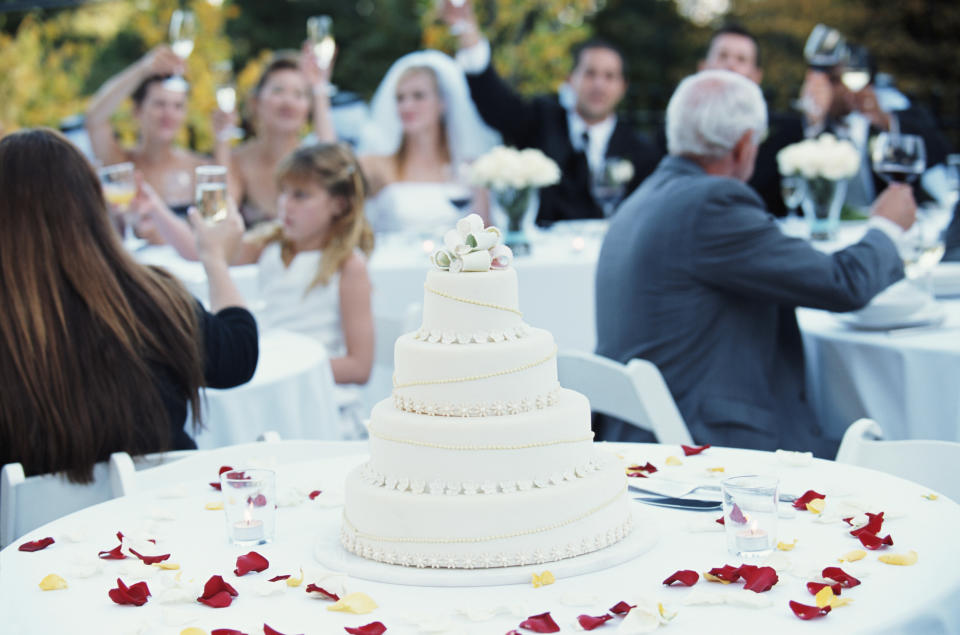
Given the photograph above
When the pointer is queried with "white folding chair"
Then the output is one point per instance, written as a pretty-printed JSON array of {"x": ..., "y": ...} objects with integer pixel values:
[
  {"x": 203, "y": 464},
  {"x": 634, "y": 392},
  {"x": 27, "y": 502},
  {"x": 932, "y": 464},
  {"x": 387, "y": 328}
]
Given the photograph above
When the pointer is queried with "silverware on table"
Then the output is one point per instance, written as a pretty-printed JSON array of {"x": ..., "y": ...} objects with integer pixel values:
[
  {"x": 691, "y": 504},
  {"x": 784, "y": 498}
]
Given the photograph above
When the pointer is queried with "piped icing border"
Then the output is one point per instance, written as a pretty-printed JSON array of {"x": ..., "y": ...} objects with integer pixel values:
[
  {"x": 447, "y": 336},
  {"x": 437, "y": 487},
  {"x": 477, "y": 409},
  {"x": 367, "y": 546}
]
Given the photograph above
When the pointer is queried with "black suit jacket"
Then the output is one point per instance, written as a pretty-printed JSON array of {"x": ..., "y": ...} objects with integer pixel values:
[{"x": 541, "y": 123}]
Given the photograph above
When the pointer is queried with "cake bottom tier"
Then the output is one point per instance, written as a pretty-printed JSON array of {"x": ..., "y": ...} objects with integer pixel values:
[{"x": 486, "y": 530}]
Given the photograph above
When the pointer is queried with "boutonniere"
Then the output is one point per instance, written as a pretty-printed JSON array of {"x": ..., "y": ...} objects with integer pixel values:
[{"x": 619, "y": 171}]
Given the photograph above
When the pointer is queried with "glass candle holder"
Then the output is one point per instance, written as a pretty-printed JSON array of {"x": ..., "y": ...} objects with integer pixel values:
[
  {"x": 750, "y": 515},
  {"x": 250, "y": 505}
]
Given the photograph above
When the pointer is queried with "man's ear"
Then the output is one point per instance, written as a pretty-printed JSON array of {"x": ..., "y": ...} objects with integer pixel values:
[{"x": 743, "y": 144}]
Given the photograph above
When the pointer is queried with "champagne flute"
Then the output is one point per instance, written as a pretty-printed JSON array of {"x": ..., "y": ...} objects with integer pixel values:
[
  {"x": 119, "y": 190},
  {"x": 226, "y": 94},
  {"x": 922, "y": 247},
  {"x": 605, "y": 188},
  {"x": 320, "y": 35},
  {"x": 183, "y": 31},
  {"x": 898, "y": 157},
  {"x": 211, "y": 192},
  {"x": 856, "y": 69},
  {"x": 792, "y": 190}
]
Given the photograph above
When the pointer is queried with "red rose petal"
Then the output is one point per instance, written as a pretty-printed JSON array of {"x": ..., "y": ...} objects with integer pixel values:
[
  {"x": 277, "y": 578},
  {"x": 760, "y": 579},
  {"x": 872, "y": 541},
  {"x": 253, "y": 561},
  {"x": 815, "y": 587},
  {"x": 313, "y": 588},
  {"x": 373, "y": 628},
  {"x": 805, "y": 612},
  {"x": 848, "y": 520},
  {"x": 845, "y": 579},
  {"x": 636, "y": 475},
  {"x": 873, "y": 526},
  {"x": 649, "y": 467},
  {"x": 691, "y": 450},
  {"x": 542, "y": 623},
  {"x": 721, "y": 521},
  {"x": 622, "y": 608},
  {"x": 113, "y": 554},
  {"x": 226, "y": 631},
  {"x": 588, "y": 622},
  {"x": 135, "y": 594},
  {"x": 686, "y": 577},
  {"x": 257, "y": 501},
  {"x": 269, "y": 631},
  {"x": 315, "y": 493},
  {"x": 36, "y": 545},
  {"x": 736, "y": 515},
  {"x": 149, "y": 559},
  {"x": 224, "y": 468},
  {"x": 727, "y": 572},
  {"x": 217, "y": 593},
  {"x": 809, "y": 495}
]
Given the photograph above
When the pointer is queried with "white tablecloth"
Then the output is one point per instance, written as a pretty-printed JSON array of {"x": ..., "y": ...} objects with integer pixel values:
[
  {"x": 292, "y": 392},
  {"x": 922, "y": 598},
  {"x": 908, "y": 381}
]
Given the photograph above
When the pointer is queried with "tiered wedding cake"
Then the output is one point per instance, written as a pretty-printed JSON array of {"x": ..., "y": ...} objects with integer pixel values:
[{"x": 480, "y": 459}]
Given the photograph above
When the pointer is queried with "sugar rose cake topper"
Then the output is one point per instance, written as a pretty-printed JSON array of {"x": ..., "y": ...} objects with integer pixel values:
[{"x": 471, "y": 247}]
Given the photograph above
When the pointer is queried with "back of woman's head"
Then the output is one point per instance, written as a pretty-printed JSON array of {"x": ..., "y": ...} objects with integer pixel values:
[
  {"x": 81, "y": 321},
  {"x": 335, "y": 168}
]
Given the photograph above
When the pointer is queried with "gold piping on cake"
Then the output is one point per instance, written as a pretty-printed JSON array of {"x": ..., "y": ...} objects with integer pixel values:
[
  {"x": 457, "y": 380},
  {"x": 448, "y": 541},
  {"x": 456, "y": 298}
]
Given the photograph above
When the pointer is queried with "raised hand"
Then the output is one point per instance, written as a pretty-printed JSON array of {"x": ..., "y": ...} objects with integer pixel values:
[
  {"x": 816, "y": 95},
  {"x": 316, "y": 75},
  {"x": 896, "y": 203},
  {"x": 161, "y": 60},
  {"x": 217, "y": 242}
]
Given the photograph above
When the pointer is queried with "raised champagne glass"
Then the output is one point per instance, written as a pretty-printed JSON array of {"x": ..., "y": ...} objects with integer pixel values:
[
  {"x": 898, "y": 157},
  {"x": 183, "y": 33},
  {"x": 211, "y": 192},
  {"x": 226, "y": 95},
  {"x": 119, "y": 190}
]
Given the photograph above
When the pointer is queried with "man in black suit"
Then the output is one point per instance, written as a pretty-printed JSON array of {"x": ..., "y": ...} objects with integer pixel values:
[
  {"x": 580, "y": 136},
  {"x": 733, "y": 48}
]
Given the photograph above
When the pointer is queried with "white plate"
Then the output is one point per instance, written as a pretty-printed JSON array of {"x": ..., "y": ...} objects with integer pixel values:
[
  {"x": 897, "y": 302},
  {"x": 930, "y": 314},
  {"x": 946, "y": 279},
  {"x": 330, "y": 553}
]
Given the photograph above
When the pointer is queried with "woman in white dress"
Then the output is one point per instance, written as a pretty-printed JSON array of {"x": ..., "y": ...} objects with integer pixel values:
[{"x": 423, "y": 132}]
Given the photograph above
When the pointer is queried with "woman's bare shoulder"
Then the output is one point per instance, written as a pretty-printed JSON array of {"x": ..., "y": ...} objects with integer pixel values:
[{"x": 380, "y": 170}]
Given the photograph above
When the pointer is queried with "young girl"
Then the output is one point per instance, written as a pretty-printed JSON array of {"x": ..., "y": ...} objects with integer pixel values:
[{"x": 313, "y": 274}]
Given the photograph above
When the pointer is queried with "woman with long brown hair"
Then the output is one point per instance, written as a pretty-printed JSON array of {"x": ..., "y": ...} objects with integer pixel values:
[{"x": 98, "y": 353}]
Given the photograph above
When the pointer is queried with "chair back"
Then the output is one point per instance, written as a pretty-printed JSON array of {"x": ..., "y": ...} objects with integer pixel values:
[
  {"x": 203, "y": 464},
  {"x": 27, "y": 502},
  {"x": 634, "y": 392},
  {"x": 387, "y": 328},
  {"x": 932, "y": 464}
]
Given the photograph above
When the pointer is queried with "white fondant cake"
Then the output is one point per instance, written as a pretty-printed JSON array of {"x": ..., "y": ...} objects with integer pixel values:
[{"x": 480, "y": 459}]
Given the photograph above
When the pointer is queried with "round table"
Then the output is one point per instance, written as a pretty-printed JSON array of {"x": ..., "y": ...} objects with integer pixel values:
[
  {"x": 907, "y": 380},
  {"x": 891, "y": 599},
  {"x": 292, "y": 392}
]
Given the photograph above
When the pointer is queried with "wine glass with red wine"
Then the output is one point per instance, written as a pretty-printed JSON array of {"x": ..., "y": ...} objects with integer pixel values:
[{"x": 898, "y": 157}]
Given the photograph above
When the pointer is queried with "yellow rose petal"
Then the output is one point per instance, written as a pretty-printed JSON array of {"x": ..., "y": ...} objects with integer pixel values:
[
  {"x": 193, "y": 630},
  {"x": 836, "y": 602},
  {"x": 713, "y": 578},
  {"x": 214, "y": 506},
  {"x": 824, "y": 597},
  {"x": 816, "y": 505},
  {"x": 666, "y": 615},
  {"x": 359, "y": 603},
  {"x": 853, "y": 556},
  {"x": 902, "y": 559},
  {"x": 167, "y": 566},
  {"x": 787, "y": 546},
  {"x": 715, "y": 469},
  {"x": 292, "y": 581},
  {"x": 543, "y": 579},
  {"x": 672, "y": 460},
  {"x": 53, "y": 582},
  {"x": 930, "y": 497}
]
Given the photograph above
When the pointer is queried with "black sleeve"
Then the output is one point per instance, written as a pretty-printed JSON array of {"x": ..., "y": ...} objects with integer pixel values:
[
  {"x": 503, "y": 109},
  {"x": 952, "y": 238},
  {"x": 230, "y": 347}
]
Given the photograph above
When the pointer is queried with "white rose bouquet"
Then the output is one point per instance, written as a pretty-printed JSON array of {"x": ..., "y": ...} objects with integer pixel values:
[
  {"x": 819, "y": 169},
  {"x": 512, "y": 176}
]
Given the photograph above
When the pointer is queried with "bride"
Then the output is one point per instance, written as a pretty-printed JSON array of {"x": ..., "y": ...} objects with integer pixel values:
[{"x": 415, "y": 150}]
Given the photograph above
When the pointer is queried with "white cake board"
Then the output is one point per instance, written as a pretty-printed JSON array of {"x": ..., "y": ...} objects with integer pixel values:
[{"x": 330, "y": 553}]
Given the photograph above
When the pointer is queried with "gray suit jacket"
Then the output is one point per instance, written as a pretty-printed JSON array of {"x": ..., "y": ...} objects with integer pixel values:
[{"x": 695, "y": 276}]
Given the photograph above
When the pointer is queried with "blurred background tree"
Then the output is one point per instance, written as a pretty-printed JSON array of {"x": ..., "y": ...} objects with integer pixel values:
[{"x": 54, "y": 58}]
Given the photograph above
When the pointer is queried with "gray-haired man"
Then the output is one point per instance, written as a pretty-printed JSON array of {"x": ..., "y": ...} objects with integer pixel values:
[{"x": 696, "y": 277}]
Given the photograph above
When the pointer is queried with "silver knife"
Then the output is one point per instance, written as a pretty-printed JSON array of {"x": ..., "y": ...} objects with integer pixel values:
[
  {"x": 784, "y": 498},
  {"x": 691, "y": 504}
]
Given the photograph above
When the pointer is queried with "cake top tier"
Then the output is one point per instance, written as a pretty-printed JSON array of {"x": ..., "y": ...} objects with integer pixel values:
[{"x": 472, "y": 248}]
